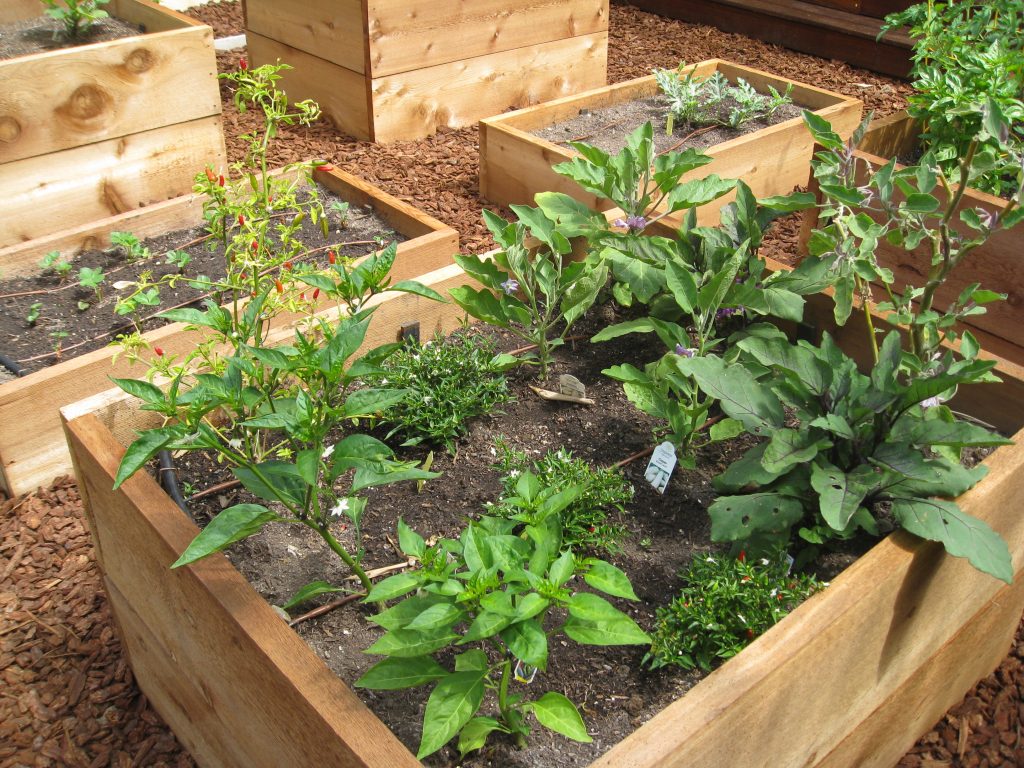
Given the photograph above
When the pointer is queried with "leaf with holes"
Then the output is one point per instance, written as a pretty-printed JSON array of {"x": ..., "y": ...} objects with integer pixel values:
[{"x": 735, "y": 518}]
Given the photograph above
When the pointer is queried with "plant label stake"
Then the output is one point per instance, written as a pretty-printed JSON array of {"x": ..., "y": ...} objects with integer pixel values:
[
  {"x": 659, "y": 468},
  {"x": 571, "y": 386}
]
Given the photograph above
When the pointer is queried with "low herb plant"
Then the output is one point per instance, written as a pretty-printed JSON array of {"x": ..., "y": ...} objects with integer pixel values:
[
  {"x": 968, "y": 65},
  {"x": 449, "y": 382},
  {"x": 496, "y": 596},
  {"x": 700, "y": 101},
  {"x": 537, "y": 293},
  {"x": 587, "y": 523},
  {"x": 726, "y": 604},
  {"x": 76, "y": 16}
]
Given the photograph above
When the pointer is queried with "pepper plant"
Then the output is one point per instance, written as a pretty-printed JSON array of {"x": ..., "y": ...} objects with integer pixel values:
[
  {"x": 255, "y": 223},
  {"x": 726, "y": 604},
  {"x": 505, "y": 586},
  {"x": 271, "y": 414}
]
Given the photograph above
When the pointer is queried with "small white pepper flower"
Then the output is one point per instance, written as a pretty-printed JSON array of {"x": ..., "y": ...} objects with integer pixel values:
[
  {"x": 327, "y": 452},
  {"x": 340, "y": 508}
]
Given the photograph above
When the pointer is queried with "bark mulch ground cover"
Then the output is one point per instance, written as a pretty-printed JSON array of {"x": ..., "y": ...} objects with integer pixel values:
[{"x": 67, "y": 696}]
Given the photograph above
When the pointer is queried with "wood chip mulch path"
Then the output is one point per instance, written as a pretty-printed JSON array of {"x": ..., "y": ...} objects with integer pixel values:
[{"x": 67, "y": 696}]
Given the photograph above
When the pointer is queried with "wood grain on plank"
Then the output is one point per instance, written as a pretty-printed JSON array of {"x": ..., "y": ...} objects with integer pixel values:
[
  {"x": 341, "y": 92},
  {"x": 407, "y": 36},
  {"x": 452, "y": 95},
  {"x": 78, "y": 186},
  {"x": 19, "y": 10},
  {"x": 333, "y": 30},
  {"x": 68, "y": 98}
]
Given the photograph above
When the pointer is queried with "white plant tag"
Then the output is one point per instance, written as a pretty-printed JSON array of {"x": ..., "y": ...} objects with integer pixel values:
[
  {"x": 571, "y": 386},
  {"x": 660, "y": 467}
]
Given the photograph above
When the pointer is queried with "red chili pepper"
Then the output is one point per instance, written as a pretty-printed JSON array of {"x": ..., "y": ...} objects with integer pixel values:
[
  {"x": 287, "y": 265},
  {"x": 302, "y": 296},
  {"x": 742, "y": 557},
  {"x": 159, "y": 352},
  {"x": 243, "y": 64},
  {"x": 209, "y": 174},
  {"x": 745, "y": 578},
  {"x": 331, "y": 257},
  {"x": 220, "y": 180},
  {"x": 245, "y": 275},
  {"x": 241, "y": 220},
  {"x": 255, "y": 245},
  {"x": 270, "y": 198},
  {"x": 750, "y": 634},
  {"x": 316, "y": 293},
  {"x": 592, "y": 529},
  {"x": 279, "y": 285},
  {"x": 252, "y": 294}
]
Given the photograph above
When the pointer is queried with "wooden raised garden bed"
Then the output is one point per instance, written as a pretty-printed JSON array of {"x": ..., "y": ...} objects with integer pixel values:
[
  {"x": 832, "y": 29},
  {"x": 400, "y": 70},
  {"x": 100, "y": 129},
  {"x": 850, "y": 678},
  {"x": 995, "y": 264},
  {"x": 33, "y": 451},
  {"x": 515, "y": 164}
]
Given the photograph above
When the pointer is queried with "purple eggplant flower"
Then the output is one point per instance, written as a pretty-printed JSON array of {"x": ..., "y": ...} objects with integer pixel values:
[
  {"x": 510, "y": 286},
  {"x": 684, "y": 351},
  {"x": 725, "y": 312},
  {"x": 632, "y": 223}
]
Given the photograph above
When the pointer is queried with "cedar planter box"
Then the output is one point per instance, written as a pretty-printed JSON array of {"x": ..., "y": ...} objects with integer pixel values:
[
  {"x": 100, "y": 129},
  {"x": 33, "y": 451},
  {"x": 850, "y": 678},
  {"x": 515, "y": 165},
  {"x": 832, "y": 29},
  {"x": 995, "y": 264},
  {"x": 384, "y": 71}
]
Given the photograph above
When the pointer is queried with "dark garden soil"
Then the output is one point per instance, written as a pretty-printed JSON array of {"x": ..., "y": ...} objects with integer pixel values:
[
  {"x": 608, "y": 127},
  {"x": 67, "y": 696},
  {"x": 22, "y": 38},
  {"x": 615, "y": 693},
  {"x": 34, "y": 344}
]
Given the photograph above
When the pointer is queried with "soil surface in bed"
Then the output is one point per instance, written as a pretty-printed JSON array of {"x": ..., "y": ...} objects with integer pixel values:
[
  {"x": 663, "y": 532},
  {"x": 68, "y": 695},
  {"x": 35, "y": 311}
]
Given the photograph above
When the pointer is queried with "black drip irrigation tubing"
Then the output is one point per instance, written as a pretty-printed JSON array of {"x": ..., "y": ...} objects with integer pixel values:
[
  {"x": 169, "y": 481},
  {"x": 11, "y": 365}
]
